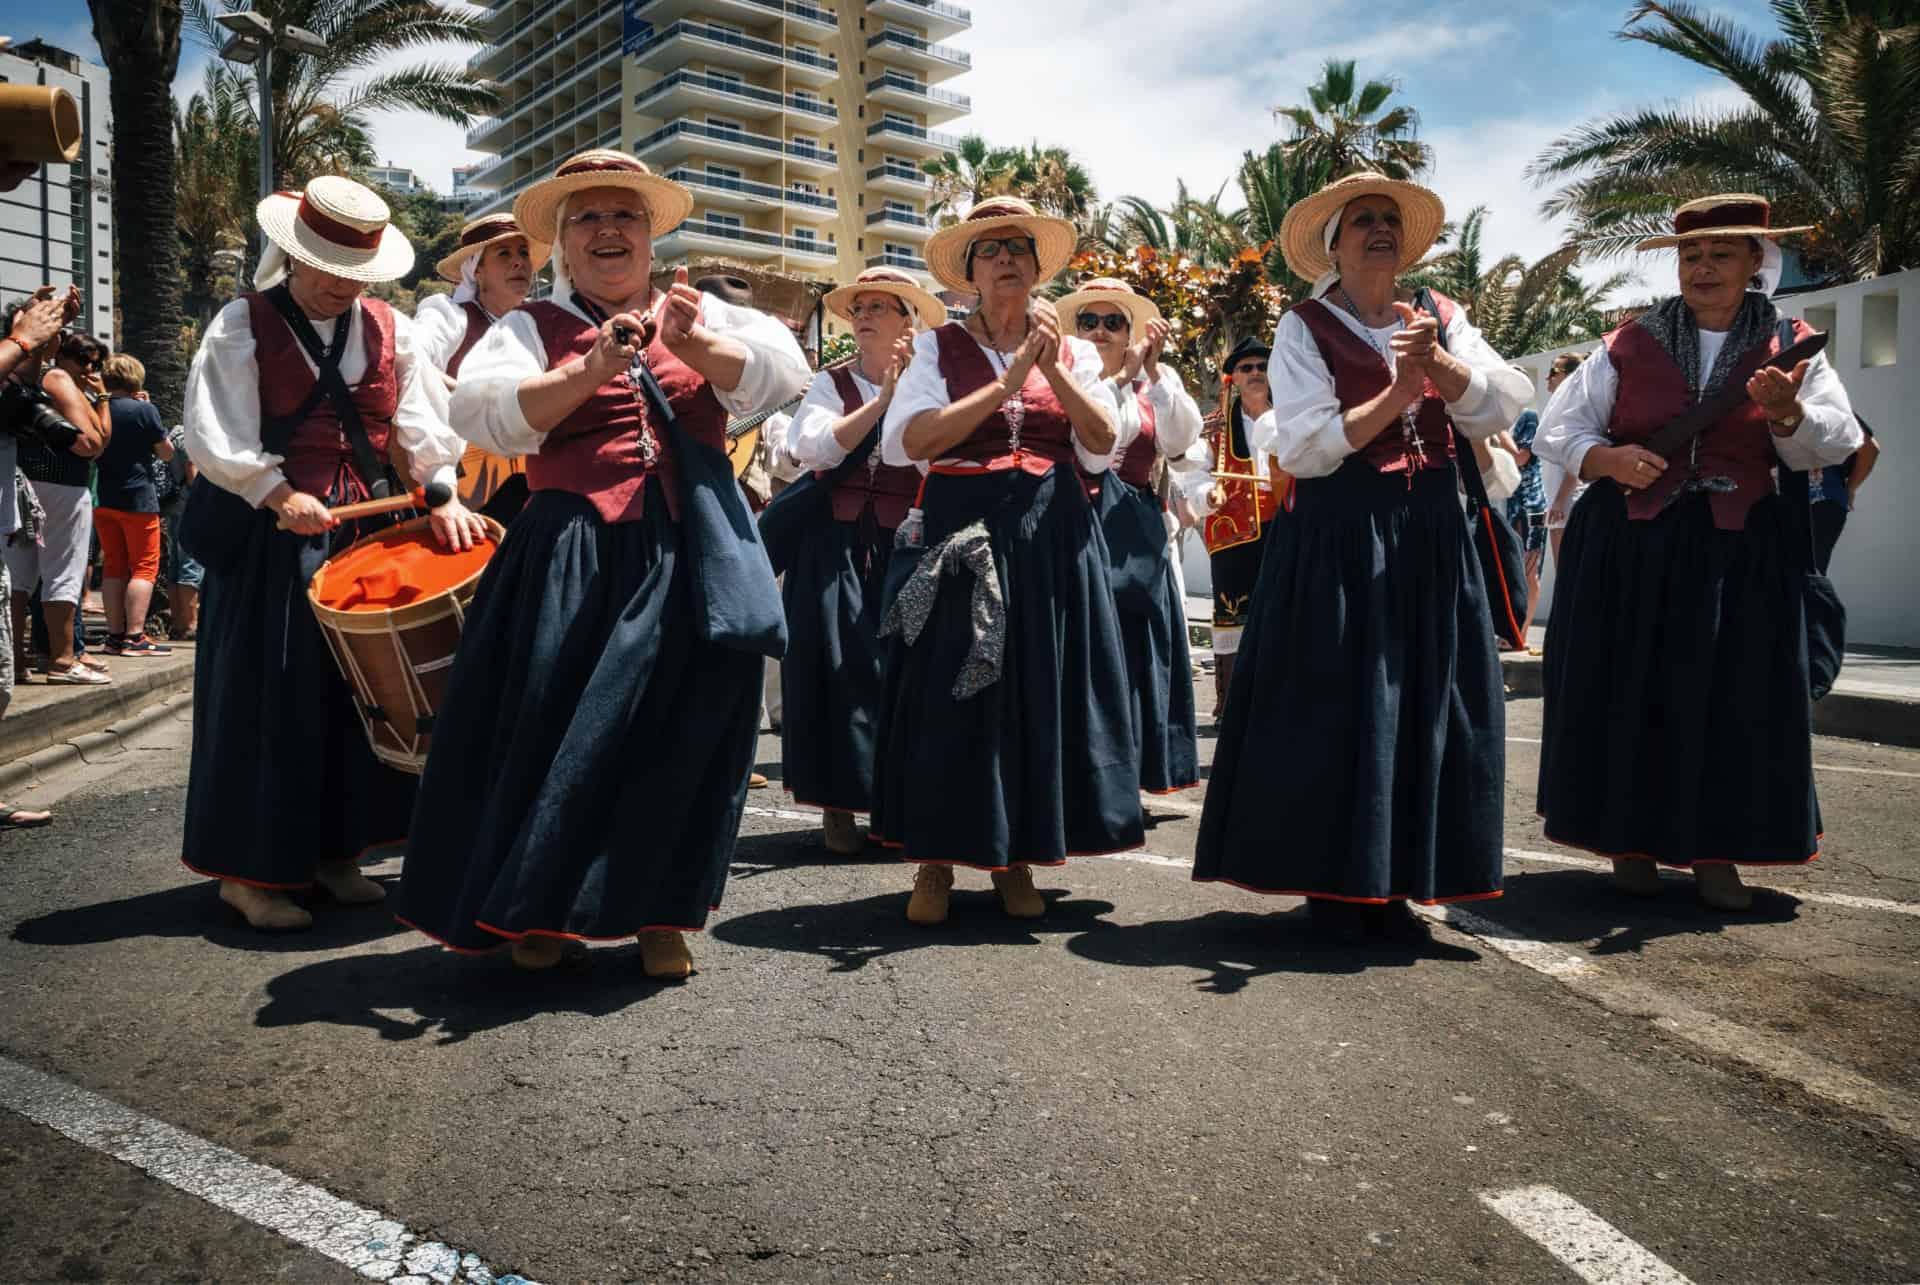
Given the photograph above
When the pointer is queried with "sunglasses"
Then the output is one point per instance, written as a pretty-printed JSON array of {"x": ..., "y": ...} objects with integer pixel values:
[
  {"x": 591, "y": 219},
  {"x": 1020, "y": 247},
  {"x": 1114, "y": 322},
  {"x": 1250, "y": 368}
]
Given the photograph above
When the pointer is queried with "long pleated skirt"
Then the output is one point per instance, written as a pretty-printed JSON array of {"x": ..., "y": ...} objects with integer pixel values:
[
  {"x": 1039, "y": 766},
  {"x": 1153, "y": 632},
  {"x": 588, "y": 772},
  {"x": 281, "y": 777},
  {"x": 1677, "y": 721},
  {"x": 1363, "y": 755},
  {"x": 830, "y": 677}
]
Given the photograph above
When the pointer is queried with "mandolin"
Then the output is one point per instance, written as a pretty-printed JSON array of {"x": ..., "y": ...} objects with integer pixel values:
[{"x": 743, "y": 435}]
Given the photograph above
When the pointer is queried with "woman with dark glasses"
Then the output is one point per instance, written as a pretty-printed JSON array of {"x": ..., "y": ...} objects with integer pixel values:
[{"x": 1158, "y": 420}]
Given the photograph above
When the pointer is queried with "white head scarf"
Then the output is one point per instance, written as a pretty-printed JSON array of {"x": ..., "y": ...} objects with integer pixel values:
[
  {"x": 272, "y": 268},
  {"x": 562, "y": 282},
  {"x": 1331, "y": 233},
  {"x": 469, "y": 287},
  {"x": 1770, "y": 266}
]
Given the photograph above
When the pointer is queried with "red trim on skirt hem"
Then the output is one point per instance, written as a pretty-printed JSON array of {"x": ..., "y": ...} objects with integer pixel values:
[
  {"x": 357, "y": 859},
  {"x": 1172, "y": 789},
  {"x": 1356, "y": 901},
  {"x": 510, "y": 935},
  {"x": 1688, "y": 865}
]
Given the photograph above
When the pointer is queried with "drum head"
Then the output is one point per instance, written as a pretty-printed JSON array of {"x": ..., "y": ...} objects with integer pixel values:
[{"x": 396, "y": 568}]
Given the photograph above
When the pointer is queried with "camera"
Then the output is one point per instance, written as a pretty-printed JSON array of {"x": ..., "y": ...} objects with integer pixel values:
[{"x": 31, "y": 418}]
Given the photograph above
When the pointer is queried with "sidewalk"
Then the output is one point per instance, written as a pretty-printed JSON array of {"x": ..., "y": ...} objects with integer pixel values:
[
  {"x": 47, "y": 718},
  {"x": 1877, "y": 697}
]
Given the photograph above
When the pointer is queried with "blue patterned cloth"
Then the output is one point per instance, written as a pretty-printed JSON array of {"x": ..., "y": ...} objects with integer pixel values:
[{"x": 1531, "y": 498}]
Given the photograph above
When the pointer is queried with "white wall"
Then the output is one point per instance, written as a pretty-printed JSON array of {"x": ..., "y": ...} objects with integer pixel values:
[{"x": 1877, "y": 565}]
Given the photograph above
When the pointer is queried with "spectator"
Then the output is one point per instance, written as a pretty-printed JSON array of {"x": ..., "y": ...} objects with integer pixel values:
[
  {"x": 1835, "y": 489},
  {"x": 127, "y": 516},
  {"x": 1527, "y": 509},
  {"x": 1564, "y": 488},
  {"x": 84, "y": 358},
  {"x": 184, "y": 575}
]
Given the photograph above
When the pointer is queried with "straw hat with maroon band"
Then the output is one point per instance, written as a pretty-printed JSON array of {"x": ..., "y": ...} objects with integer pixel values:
[
  {"x": 1053, "y": 239},
  {"x": 668, "y": 204},
  {"x": 337, "y": 226},
  {"x": 479, "y": 235},
  {"x": 1733, "y": 214},
  {"x": 1139, "y": 309},
  {"x": 888, "y": 281},
  {"x": 1307, "y": 230}
]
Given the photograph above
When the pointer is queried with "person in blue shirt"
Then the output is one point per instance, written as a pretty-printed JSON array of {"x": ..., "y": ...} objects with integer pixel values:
[
  {"x": 1832, "y": 495},
  {"x": 126, "y": 518},
  {"x": 1527, "y": 508}
]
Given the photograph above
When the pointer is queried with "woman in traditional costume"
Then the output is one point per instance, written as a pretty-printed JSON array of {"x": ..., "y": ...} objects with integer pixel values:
[
  {"x": 1362, "y": 758},
  {"x": 1157, "y": 420},
  {"x": 283, "y": 791},
  {"x": 831, "y": 674},
  {"x": 590, "y": 766},
  {"x": 1678, "y": 722},
  {"x": 1005, "y": 737}
]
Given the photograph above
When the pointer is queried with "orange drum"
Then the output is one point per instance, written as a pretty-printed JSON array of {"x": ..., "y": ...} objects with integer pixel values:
[{"x": 392, "y": 606}]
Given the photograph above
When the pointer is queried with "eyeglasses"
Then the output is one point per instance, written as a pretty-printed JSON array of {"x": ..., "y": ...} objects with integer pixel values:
[
  {"x": 1020, "y": 247},
  {"x": 591, "y": 219},
  {"x": 861, "y": 311},
  {"x": 1114, "y": 322},
  {"x": 1251, "y": 368}
]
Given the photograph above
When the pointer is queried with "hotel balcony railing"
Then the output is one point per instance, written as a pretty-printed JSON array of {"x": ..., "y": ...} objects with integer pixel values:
[
  {"x": 721, "y": 85},
  {"x": 739, "y": 137},
  {"x": 747, "y": 187},
  {"x": 881, "y": 128},
  {"x": 720, "y": 35},
  {"x": 893, "y": 259},
  {"x": 894, "y": 80},
  {"x": 906, "y": 218},
  {"x": 946, "y": 53},
  {"x": 547, "y": 45},
  {"x": 901, "y": 173},
  {"x": 945, "y": 10},
  {"x": 754, "y": 236},
  {"x": 791, "y": 8}
]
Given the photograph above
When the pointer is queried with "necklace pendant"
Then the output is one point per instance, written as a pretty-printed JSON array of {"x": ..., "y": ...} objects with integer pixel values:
[
  {"x": 649, "y": 447},
  {"x": 1015, "y": 411}
]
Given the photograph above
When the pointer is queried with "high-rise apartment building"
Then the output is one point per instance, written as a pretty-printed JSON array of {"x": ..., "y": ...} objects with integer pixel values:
[
  {"x": 56, "y": 228},
  {"x": 799, "y": 125}
]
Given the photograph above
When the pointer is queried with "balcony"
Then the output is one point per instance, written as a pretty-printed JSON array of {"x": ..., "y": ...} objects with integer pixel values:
[
  {"x": 673, "y": 45},
  {"x": 607, "y": 101},
  {"x": 732, "y": 193},
  {"x": 524, "y": 115},
  {"x": 937, "y": 105},
  {"x": 704, "y": 235},
  {"x": 751, "y": 12},
  {"x": 547, "y": 45},
  {"x": 812, "y": 249},
  {"x": 904, "y": 224},
  {"x": 894, "y": 259},
  {"x": 936, "y": 18},
  {"x": 685, "y": 138},
  {"x": 935, "y": 61},
  {"x": 899, "y": 178},
  {"x": 501, "y": 200},
  {"x": 902, "y": 137},
  {"x": 674, "y": 95}
]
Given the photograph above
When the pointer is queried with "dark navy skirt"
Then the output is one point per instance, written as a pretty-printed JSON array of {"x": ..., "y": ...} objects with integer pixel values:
[
  {"x": 1153, "y": 631},
  {"x": 1040, "y": 765},
  {"x": 1677, "y": 722},
  {"x": 830, "y": 678},
  {"x": 589, "y": 769},
  {"x": 282, "y": 777},
  {"x": 1363, "y": 754}
]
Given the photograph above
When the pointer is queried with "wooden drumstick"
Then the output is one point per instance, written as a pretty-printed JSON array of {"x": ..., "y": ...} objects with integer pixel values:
[{"x": 431, "y": 497}]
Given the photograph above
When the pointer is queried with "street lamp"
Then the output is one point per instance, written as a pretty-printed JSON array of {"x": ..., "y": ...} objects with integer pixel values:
[{"x": 255, "y": 37}]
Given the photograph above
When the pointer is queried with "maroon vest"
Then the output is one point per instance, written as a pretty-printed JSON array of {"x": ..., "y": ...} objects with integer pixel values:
[
  {"x": 1360, "y": 374},
  {"x": 478, "y": 323},
  {"x": 1739, "y": 446},
  {"x": 889, "y": 488},
  {"x": 1046, "y": 435},
  {"x": 597, "y": 451},
  {"x": 318, "y": 454},
  {"x": 1136, "y": 465}
]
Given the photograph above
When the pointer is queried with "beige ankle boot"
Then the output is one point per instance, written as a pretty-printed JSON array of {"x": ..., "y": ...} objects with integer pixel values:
[
  {"x": 536, "y": 953},
  {"x": 266, "y": 909},
  {"x": 1718, "y": 883},
  {"x": 840, "y": 834},
  {"x": 1017, "y": 894},
  {"x": 1636, "y": 875},
  {"x": 665, "y": 957},
  {"x": 343, "y": 882},
  {"x": 931, "y": 885}
]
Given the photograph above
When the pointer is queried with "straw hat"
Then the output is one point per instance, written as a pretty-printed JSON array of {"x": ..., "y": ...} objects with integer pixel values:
[
  {"x": 668, "y": 203},
  {"x": 1730, "y": 214},
  {"x": 481, "y": 235},
  {"x": 1139, "y": 309},
  {"x": 888, "y": 281},
  {"x": 1303, "y": 233},
  {"x": 1053, "y": 239},
  {"x": 337, "y": 226}
]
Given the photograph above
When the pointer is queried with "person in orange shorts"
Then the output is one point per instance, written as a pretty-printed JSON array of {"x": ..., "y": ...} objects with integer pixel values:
[{"x": 127, "y": 515}]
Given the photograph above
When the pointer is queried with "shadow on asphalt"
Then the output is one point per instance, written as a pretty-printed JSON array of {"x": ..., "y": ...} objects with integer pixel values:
[
  {"x": 454, "y": 996},
  {"x": 764, "y": 854},
  {"x": 1235, "y": 948},
  {"x": 1585, "y": 908},
  {"x": 196, "y": 910},
  {"x": 854, "y": 933}
]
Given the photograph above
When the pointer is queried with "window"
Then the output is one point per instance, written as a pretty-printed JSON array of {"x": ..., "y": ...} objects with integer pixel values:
[
  {"x": 733, "y": 80},
  {"x": 724, "y": 123},
  {"x": 1880, "y": 329},
  {"x": 725, "y": 220},
  {"x": 805, "y": 234},
  {"x": 810, "y": 189},
  {"x": 724, "y": 171},
  {"x": 1826, "y": 318}
]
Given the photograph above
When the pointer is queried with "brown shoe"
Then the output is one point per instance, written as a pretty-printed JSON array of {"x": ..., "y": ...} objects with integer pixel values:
[
  {"x": 840, "y": 834},
  {"x": 343, "y": 881},
  {"x": 536, "y": 953},
  {"x": 1718, "y": 883},
  {"x": 665, "y": 957},
  {"x": 928, "y": 904},
  {"x": 1636, "y": 875},
  {"x": 756, "y": 781},
  {"x": 266, "y": 909},
  {"x": 1017, "y": 894}
]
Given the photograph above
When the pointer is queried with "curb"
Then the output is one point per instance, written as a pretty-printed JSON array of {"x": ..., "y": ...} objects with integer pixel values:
[
  {"x": 89, "y": 747},
  {"x": 27, "y": 730}
]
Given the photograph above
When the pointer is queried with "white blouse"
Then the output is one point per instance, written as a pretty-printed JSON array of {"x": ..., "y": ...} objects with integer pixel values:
[
  {"x": 440, "y": 325},
  {"x": 222, "y": 412},
  {"x": 1306, "y": 429},
  {"x": 487, "y": 402},
  {"x": 1575, "y": 420},
  {"x": 810, "y": 439},
  {"x": 922, "y": 387},
  {"x": 1176, "y": 434}
]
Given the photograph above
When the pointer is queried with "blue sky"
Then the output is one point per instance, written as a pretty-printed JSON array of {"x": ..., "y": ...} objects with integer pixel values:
[{"x": 1145, "y": 93}]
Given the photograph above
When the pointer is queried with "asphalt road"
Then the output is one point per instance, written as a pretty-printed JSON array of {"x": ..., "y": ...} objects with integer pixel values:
[{"x": 1161, "y": 1081}]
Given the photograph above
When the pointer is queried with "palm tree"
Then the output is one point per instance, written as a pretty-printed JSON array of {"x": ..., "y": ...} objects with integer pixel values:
[
  {"x": 1271, "y": 183},
  {"x": 1343, "y": 126},
  {"x": 1051, "y": 181},
  {"x": 1829, "y": 132},
  {"x": 968, "y": 174},
  {"x": 217, "y": 156},
  {"x": 140, "y": 43},
  {"x": 1518, "y": 307}
]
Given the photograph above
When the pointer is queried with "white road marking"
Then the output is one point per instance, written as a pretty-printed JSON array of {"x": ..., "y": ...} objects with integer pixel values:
[
  {"x": 783, "y": 814},
  {"x": 364, "y": 1240},
  {"x": 1846, "y": 899},
  {"x": 1818, "y": 767},
  {"x": 1588, "y": 1245}
]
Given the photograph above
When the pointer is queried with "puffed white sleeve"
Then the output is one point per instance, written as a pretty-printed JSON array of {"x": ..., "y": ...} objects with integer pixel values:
[
  {"x": 1086, "y": 373},
  {"x": 1576, "y": 418},
  {"x": 1306, "y": 430},
  {"x": 1828, "y": 431},
  {"x": 920, "y": 387},
  {"x": 1176, "y": 416},
  {"x": 438, "y": 328},
  {"x": 1496, "y": 392},
  {"x": 1191, "y": 471},
  {"x": 780, "y": 462},
  {"x": 486, "y": 403},
  {"x": 420, "y": 421},
  {"x": 776, "y": 370},
  {"x": 222, "y": 410},
  {"x": 810, "y": 439}
]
